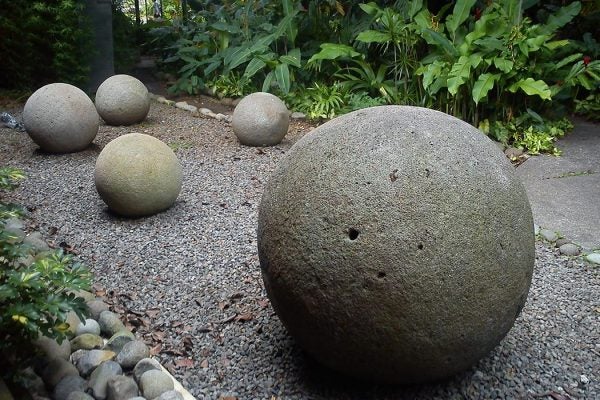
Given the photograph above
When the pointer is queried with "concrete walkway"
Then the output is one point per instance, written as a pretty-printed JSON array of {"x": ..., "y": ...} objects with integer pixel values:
[{"x": 565, "y": 191}]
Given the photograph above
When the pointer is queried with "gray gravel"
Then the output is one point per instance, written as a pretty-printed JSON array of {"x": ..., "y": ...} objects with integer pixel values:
[{"x": 190, "y": 276}]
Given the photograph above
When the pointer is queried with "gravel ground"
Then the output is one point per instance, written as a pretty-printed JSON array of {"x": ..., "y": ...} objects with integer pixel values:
[{"x": 188, "y": 280}]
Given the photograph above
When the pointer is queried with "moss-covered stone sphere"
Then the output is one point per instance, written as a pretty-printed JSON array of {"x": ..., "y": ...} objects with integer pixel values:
[
  {"x": 60, "y": 118},
  {"x": 138, "y": 175},
  {"x": 122, "y": 100},
  {"x": 396, "y": 244},
  {"x": 260, "y": 119}
]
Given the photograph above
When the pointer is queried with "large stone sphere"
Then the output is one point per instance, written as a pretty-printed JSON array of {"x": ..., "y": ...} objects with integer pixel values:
[
  {"x": 396, "y": 244},
  {"x": 260, "y": 119},
  {"x": 122, "y": 100},
  {"x": 138, "y": 175},
  {"x": 60, "y": 118}
]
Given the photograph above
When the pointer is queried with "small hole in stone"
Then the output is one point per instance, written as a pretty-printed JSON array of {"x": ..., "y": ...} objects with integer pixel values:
[
  {"x": 381, "y": 274},
  {"x": 420, "y": 246},
  {"x": 353, "y": 234}
]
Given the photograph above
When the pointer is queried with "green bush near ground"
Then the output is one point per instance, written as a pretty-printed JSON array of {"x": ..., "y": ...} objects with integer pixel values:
[{"x": 36, "y": 290}]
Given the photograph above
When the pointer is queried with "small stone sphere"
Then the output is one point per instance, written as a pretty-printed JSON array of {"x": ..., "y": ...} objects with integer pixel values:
[
  {"x": 260, "y": 119},
  {"x": 396, "y": 244},
  {"x": 60, "y": 118},
  {"x": 138, "y": 175},
  {"x": 122, "y": 100}
]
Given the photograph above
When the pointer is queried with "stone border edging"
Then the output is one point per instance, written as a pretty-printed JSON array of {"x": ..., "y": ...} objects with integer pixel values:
[
  {"x": 207, "y": 112},
  {"x": 566, "y": 247}
]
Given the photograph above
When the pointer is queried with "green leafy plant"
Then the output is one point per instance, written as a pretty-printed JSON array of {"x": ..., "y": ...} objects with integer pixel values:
[
  {"x": 35, "y": 294},
  {"x": 125, "y": 35},
  {"x": 319, "y": 101},
  {"x": 589, "y": 107},
  {"x": 230, "y": 85},
  {"x": 529, "y": 132},
  {"x": 43, "y": 42},
  {"x": 498, "y": 57}
]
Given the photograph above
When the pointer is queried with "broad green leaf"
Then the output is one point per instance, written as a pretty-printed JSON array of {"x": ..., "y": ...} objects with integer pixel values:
[
  {"x": 535, "y": 43},
  {"x": 483, "y": 85},
  {"x": 503, "y": 64},
  {"x": 285, "y": 24},
  {"x": 532, "y": 88},
  {"x": 423, "y": 19},
  {"x": 437, "y": 85},
  {"x": 478, "y": 32},
  {"x": 370, "y": 8},
  {"x": 475, "y": 59},
  {"x": 292, "y": 58},
  {"x": 490, "y": 44},
  {"x": 237, "y": 56},
  {"x": 225, "y": 27},
  {"x": 282, "y": 75},
  {"x": 333, "y": 51},
  {"x": 576, "y": 69},
  {"x": 431, "y": 72},
  {"x": 512, "y": 9},
  {"x": 524, "y": 48},
  {"x": 212, "y": 67},
  {"x": 436, "y": 39},
  {"x": 562, "y": 17},
  {"x": 567, "y": 60},
  {"x": 460, "y": 13},
  {"x": 454, "y": 84},
  {"x": 584, "y": 81},
  {"x": 255, "y": 65},
  {"x": 556, "y": 44},
  {"x": 373, "y": 37},
  {"x": 414, "y": 7},
  {"x": 461, "y": 68},
  {"x": 266, "y": 87},
  {"x": 292, "y": 30}
]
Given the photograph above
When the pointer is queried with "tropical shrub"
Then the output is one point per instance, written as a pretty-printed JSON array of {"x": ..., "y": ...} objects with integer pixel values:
[
  {"x": 529, "y": 132},
  {"x": 43, "y": 42},
  {"x": 35, "y": 295},
  {"x": 496, "y": 63},
  {"x": 481, "y": 61},
  {"x": 125, "y": 35}
]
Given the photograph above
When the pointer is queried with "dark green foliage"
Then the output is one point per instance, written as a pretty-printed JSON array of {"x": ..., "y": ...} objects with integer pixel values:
[
  {"x": 35, "y": 297},
  {"x": 125, "y": 39},
  {"x": 43, "y": 42},
  {"x": 482, "y": 61}
]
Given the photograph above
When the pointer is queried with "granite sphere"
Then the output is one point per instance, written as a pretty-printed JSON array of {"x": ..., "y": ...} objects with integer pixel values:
[
  {"x": 260, "y": 119},
  {"x": 122, "y": 100},
  {"x": 60, "y": 118},
  {"x": 138, "y": 175},
  {"x": 396, "y": 244}
]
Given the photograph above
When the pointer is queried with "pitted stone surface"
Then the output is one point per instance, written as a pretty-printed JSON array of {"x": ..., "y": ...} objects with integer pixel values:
[
  {"x": 260, "y": 119},
  {"x": 60, "y": 118},
  {"x": 122, "y": 100},
  {"x": 396, "y": 244},
  {"x": 138, "y": 175}
]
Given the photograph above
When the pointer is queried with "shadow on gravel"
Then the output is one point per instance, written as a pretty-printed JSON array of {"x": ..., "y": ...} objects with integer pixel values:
[{"x": 324, "y": 383}]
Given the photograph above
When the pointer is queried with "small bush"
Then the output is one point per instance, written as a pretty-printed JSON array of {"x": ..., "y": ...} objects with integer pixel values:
[{"x": 36, "y": 294}]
